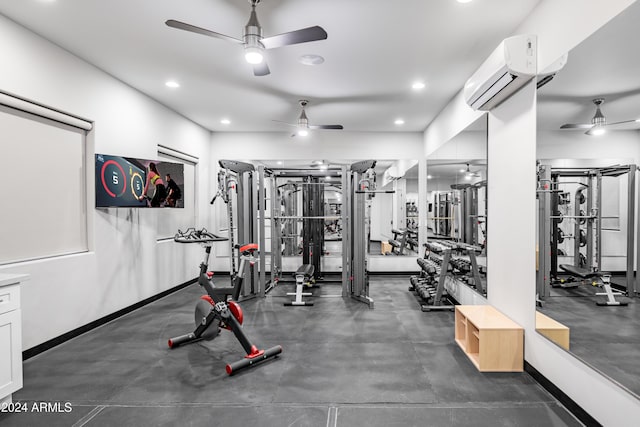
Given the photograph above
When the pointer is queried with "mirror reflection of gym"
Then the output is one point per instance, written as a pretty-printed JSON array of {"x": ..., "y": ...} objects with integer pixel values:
[
  {"x": 587, "y": 193},
  {"x": 394, "y": 209},
  {"x": 457, "y": 208}
]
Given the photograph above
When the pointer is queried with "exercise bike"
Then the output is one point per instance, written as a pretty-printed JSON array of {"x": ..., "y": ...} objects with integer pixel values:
[{"x": 215, "y": 311}]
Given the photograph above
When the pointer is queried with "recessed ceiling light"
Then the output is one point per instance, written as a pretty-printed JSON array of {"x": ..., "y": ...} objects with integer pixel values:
[
  {"x": 279, "y": 162},
  {"x": 399, "y": 122},
  {"x": 464, "y": 1},
  {"x": 323, "y": 167},
  {"x": 311, "y": 59},
  {"x": 172, "y": 84},
  {"x": 225, "y": 121},
  {"x": 462, "y": 170},
  {"x": 429, "y": 176},
  {"x": 638, "y": 120},
  {"x": 418, "y": 85}
]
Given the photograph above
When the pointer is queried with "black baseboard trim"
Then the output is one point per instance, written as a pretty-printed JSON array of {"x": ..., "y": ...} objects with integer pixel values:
[
  {"x": 566, "y": 401},
  {"x": 40, "y": 348}
]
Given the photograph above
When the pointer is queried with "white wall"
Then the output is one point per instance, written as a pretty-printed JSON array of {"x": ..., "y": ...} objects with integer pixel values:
[
  {"x": 466, "y": 145},
  {"x": 558, "y": 31},
  {"x": 125, "y": 263},
  {"x": 330, "y": 145}
]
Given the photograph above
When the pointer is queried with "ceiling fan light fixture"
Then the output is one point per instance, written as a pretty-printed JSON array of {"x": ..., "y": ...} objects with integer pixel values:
[
  {"x": 253, "y": 55},
  {"x": 597, "y": 131},
  {"x": 303, "y": 132}
]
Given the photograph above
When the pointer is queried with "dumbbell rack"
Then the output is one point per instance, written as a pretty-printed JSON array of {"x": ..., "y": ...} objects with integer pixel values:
[
  {"x": 430, "y": 284},
  {"x": 466, "y": 271}
]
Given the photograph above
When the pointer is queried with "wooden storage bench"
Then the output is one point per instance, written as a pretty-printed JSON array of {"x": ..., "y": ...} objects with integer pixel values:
[
  {"x": 552, "y": 329},
  {"x": 492, "y": 341}
]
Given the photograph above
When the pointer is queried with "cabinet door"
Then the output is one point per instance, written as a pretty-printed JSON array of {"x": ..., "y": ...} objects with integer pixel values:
[{"x": 10, "y": 352}]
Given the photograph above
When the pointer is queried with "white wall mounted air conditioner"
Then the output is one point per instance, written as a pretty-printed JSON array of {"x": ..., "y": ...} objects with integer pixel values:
[{"x": 509, "y": 67}]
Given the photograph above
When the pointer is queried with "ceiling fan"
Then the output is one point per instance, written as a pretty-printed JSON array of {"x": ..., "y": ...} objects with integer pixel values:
[
  {"x": 468, "y": 173},
  {"x": 252, "y": 40},
  {"x": 598, "y": 123},
  {"x": 303, "y": 122}
]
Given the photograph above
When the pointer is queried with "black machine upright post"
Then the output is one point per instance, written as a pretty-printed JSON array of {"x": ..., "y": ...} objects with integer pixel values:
[{"x": 313, "y": 228}]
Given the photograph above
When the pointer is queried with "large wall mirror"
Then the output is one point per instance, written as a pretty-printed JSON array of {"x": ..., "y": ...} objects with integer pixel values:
[
  {"x": 588, "y": 146},
  {"x": 457, "y": 205}
]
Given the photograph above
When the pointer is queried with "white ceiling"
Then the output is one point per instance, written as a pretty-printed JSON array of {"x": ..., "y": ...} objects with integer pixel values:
[
  {"x": 374, "y": 51},
  {"x": 606, "y": 65}
]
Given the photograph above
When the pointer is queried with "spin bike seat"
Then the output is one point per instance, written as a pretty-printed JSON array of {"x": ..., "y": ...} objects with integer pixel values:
[{"x": 248, "y": 249}]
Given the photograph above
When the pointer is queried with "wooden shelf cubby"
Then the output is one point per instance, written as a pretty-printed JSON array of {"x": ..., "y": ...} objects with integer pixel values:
[
  {"x": 492, "y": 341},
  {"x": 553, "y": 330}
]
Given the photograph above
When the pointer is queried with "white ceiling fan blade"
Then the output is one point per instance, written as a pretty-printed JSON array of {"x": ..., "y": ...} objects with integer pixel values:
[
  {"x": 303, "y": 35},
  {"x": 326, "y": 127},
  {"x": 622, "y": 122},
  {"x": 192, "y": 28},
  {"x": 576, "y": 126},
  {"x": 285, "y": 123},
  {"x": 261, "y": 69}
]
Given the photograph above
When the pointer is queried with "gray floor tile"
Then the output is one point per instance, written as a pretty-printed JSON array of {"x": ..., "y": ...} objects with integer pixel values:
[
  {"x": 336, "y": 353},
  {"x": 211, "y": 416},
  {"x": 46, "y": 419}
]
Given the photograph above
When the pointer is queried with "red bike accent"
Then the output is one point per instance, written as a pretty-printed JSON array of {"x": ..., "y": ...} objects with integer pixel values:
[
  {"x": 236, "y": 310},
  {"x": 208, "y": 299},
  {"x": 249, "y": 247},
  {"x": 254, "y": 353},
  {"x": 170, "y": 343},
  {"x": 209, "y": 274}
]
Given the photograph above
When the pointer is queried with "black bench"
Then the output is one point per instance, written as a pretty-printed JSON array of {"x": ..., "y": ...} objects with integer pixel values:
[{"x": 605, "y": 279}]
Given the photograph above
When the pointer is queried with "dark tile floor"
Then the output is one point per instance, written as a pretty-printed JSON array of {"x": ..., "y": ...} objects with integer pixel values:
[
  {"x": 343, "y": 365},
  {"x": 605, "y": 337}
]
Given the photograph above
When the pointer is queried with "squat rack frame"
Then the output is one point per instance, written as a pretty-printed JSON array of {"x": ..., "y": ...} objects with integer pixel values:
[{"x": 548, "y": 190}]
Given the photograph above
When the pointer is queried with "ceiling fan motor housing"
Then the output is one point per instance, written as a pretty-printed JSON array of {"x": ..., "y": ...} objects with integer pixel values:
[
  {"x": 598, "y": 118},
  {"x": 253, "y": 31}
]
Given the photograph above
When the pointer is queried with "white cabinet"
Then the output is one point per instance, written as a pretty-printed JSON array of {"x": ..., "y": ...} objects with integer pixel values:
[{"x": 10, "y": 335}]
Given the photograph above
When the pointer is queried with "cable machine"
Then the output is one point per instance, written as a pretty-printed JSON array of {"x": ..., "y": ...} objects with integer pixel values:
[
  {"x": 358, "y": 184},
  {"x": 237, "y": 184}
]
